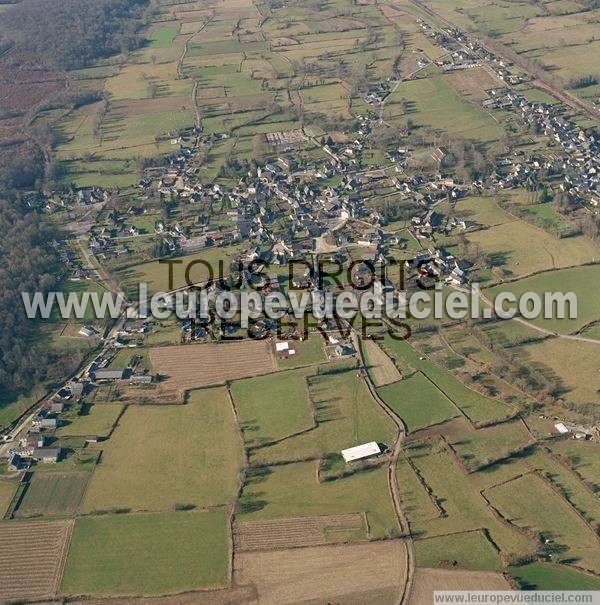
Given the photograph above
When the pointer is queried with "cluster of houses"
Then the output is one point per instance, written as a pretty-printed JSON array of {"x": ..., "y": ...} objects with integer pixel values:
[
  {"x": 464, "y": 52},
  {"x": 577, "y": 157},
  {"x": 36, "y": 444},
  {"x": 66, "y": 199}
]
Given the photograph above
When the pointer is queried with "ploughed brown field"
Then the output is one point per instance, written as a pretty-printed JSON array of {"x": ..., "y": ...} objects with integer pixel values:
[
  {"x": 297, "y": 531},
  {"x": 185, "y": 367},
  {"x": 363, "y": 573},
  {"x": 32, "y": 555},
  {"x": 425, "y": 581}
]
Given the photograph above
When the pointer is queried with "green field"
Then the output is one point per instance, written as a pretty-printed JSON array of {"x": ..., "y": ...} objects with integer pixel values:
[
  {"x": 485, "y": 445},
  {"x": 309, "y": 351},
  {"x": 346, "y": 415},
  {"x": 209, "y": 264},
  {"x": 520, "y": 500},
  {"x": 163, "y": 36},
  {"x": 475, "y": 406},
  {"x": 577, "y": 493},
  {"x": 273, "y": 407},
  {"x": 583, "y": 457},
  {"x": 97, "y": 419},
  {"x": 549, "y": 576},
  {"x": 433, "y": 104},
  {"x": 584, "y": 282},
  {"x": 418, "y": 402},
  {"x": 52, "y": 494},
  {"x": 460, "y": 506},
  {"x": 147, "y": 554},
  {"x": 469, "y": 550},
  {"x": 292, "y": 490},
  {"x": 162, "y": 456}
]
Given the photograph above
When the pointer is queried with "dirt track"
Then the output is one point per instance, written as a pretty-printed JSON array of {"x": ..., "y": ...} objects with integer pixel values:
[{"x": 396, "y": 448}]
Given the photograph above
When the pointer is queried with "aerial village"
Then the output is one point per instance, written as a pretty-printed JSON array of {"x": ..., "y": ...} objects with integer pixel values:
[{"x": 292, "y": 210}]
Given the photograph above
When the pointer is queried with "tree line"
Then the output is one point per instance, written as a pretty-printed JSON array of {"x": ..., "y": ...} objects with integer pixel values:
[{"x": 29, "y": 264}]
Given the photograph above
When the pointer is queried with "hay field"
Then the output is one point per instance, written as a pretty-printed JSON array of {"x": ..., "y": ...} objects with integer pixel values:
[
  {"x": 578, "y": 382},
  {"x": 7, "y": 491},
  {"x": 335, "y": 573},
  {"x": 147, "y": 554},
  {"x": 472, "y": 83},
  {"x": 193, "y": 366},
  {"x": 161, "y": 456},
  {"x": 508, "y": 241}
]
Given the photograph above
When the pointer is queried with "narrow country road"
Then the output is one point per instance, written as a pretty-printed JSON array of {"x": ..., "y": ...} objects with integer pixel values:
[{"x": 396, "y": 448}]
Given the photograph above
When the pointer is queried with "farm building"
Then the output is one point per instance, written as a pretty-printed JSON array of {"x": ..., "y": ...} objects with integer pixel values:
[
  {"x": 108, "y": 373},
  {"x": 46, "y": 423},
  {"x": 47, "y": 455},
  {"x": 577, "y": 430},
  {"x": 359, "y": 452},
  {"x": 33, "y": 440}
]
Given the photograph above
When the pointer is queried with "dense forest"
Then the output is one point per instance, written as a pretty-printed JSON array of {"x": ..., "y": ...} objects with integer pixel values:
[
  {"x": 28, "y": 263},
  {"x": 57, "y": 34},
  {"x": 66, "y": 34}
]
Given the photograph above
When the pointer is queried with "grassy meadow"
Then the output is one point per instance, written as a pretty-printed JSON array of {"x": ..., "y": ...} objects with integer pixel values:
[
  {"x": 147, "y": 554},
  {"x": 163, "y": 456}
]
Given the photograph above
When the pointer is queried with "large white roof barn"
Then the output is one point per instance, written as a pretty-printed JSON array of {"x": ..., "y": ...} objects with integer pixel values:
[{"x": 359, "y": 452}]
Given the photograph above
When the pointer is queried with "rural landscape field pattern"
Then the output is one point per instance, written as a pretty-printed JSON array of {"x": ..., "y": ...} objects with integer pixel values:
[{"x": 186, "y": 461}]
